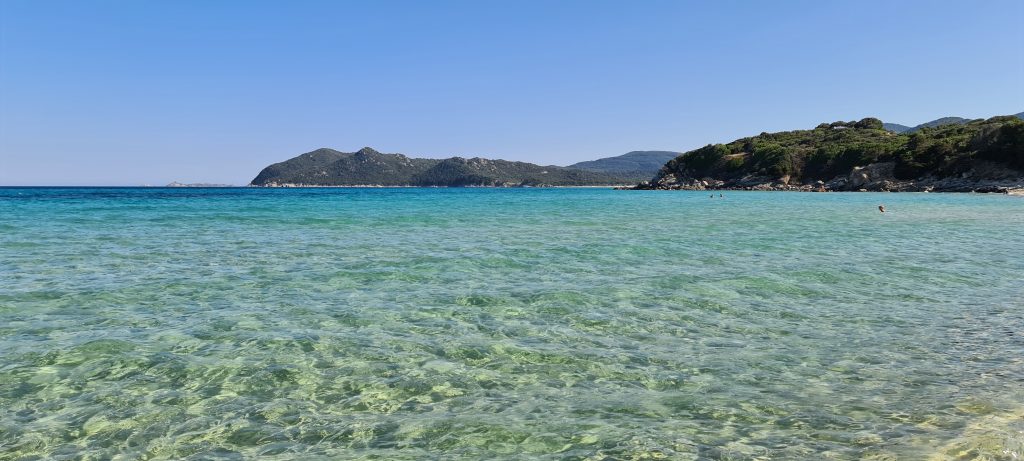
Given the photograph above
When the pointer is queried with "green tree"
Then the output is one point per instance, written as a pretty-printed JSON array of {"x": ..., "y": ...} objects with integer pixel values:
[{"x": 869, "y": 123}]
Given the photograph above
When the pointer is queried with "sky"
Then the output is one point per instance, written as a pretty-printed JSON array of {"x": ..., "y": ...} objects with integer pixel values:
[{"x": 132, "y": 93}]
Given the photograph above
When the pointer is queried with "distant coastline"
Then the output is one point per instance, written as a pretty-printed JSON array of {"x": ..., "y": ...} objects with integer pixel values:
[
  {"x": 368, "y": 167},
  {"x": 950, "y": 154},
  {"x": 199, "y": 184},
  {"x": 379, "y": 186}
]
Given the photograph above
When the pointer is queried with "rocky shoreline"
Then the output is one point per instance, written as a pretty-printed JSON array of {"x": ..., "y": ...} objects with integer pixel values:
[{"x": 876, "y": 177}]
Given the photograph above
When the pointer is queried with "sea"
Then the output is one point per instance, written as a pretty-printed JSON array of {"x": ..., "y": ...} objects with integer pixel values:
[{"x": 576, "y": 324}]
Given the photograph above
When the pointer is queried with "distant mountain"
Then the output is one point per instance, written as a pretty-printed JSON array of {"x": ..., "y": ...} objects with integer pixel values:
[
  {"x": 367, "y": 167},
  {"x": 942, "y": 122},
  {"x": 897, "y": 128},
  {"x": 637, "y": 165}
]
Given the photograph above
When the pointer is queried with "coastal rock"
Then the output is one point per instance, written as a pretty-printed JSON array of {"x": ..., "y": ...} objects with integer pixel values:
[
  {"x": 989, "y": 189},
  {"x": 928, "y": 160},
  {"x": 874, "y": 176}
]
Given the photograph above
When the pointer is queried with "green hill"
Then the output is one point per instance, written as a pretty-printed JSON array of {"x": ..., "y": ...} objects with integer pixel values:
[
  {"x": 947, "y": 157},
  {"x": 897, "y": 128},
  {"x": 367, "y": 167},
  {"x": 636, "y": 165},
  {"x": 941, "y": 122}
]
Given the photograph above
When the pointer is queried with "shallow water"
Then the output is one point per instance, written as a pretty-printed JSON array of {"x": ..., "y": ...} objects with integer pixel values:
[{"x": 511, "y": 323}]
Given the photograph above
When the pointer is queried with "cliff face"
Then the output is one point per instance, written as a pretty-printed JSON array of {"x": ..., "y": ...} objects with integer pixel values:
[
  {"x": 979, "y": 155},
  {"x": 367, "y": 167}
]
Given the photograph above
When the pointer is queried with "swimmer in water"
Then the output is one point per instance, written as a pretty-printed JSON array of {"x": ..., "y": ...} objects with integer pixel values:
[{"x": 881, "y": 208}]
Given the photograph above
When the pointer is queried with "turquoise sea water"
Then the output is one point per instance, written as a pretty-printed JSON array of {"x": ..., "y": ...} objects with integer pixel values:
[{"x": 509, "y": 323}]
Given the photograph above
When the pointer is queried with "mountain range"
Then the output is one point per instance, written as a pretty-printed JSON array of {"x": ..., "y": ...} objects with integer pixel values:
[
  {"x": 636, "y": 165},
  {"x": 367, "y": 167},
  {"x": 835, "y": 151},
  {"x": 897, "y": 128}
]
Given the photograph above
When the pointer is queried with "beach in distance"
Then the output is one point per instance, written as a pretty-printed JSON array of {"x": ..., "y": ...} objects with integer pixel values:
[{"x": 488, "y": 323}]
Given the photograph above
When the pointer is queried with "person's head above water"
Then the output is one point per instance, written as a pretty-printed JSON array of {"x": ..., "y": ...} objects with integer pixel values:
[{"x": 881, "y": 208}]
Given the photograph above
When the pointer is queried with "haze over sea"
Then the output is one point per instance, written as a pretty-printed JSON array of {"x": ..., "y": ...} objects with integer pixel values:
[{"x": 509, "y": 323}]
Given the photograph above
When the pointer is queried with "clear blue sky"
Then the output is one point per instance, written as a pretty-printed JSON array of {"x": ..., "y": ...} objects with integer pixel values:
[{"x": 148, "y": 92}]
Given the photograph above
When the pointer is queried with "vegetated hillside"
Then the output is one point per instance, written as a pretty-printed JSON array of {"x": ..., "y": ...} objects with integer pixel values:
[
  {"x": 304, "y": 166},
  {"x": 897, "y": 128},
  {"x": 953, "y": 157},
  {"x": 942, "y": 122},
  {"x": 367, "y": 167},
  {"x": 636, "y": 165}
]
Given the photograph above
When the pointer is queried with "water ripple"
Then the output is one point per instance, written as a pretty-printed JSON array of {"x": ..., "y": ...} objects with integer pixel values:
[{"x": 556, "y": 324}]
